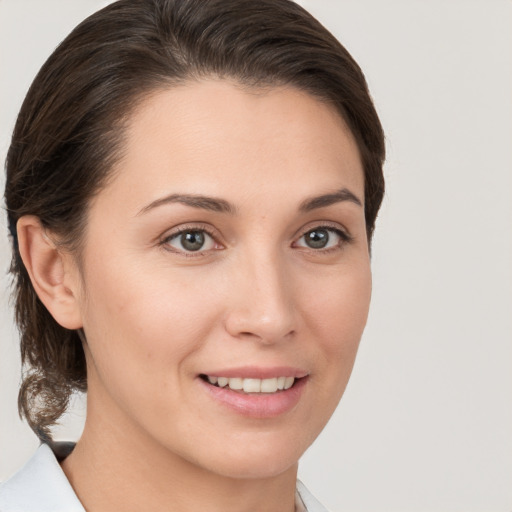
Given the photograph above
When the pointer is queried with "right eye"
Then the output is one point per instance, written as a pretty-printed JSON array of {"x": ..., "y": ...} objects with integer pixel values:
[{"x": 191, "y": 240}]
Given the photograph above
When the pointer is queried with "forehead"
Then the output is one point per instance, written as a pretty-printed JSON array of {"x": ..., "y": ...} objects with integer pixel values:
[{"x": 205, "y": 135}]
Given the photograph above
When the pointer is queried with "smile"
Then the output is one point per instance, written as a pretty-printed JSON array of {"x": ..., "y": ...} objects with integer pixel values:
[{"x": 245, "y": 385}]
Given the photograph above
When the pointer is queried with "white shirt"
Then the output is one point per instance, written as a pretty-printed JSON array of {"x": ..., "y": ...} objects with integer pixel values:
[{"x": 42, "y": 486}]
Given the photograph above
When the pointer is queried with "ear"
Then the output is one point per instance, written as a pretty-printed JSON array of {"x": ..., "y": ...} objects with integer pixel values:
[{"x": 53, "y": 274}]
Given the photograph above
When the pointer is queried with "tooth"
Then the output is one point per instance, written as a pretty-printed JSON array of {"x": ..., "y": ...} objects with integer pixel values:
[
  {"x": 252, "y": 385},
  {"x": 268, "y": 385},
  {"x": 222, "y": 381},
  {"x": 236, "y": 383},
  {"x": 288, "y": 383}
]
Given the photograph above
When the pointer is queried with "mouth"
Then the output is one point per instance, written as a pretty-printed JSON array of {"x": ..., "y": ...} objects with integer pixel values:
[
  {"x": 250, "y": 385},
  {"x": 256, "y": 392}
]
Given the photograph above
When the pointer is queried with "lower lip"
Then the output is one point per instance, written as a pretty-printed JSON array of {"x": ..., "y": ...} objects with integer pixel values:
[{"x": 257, "y": 405}]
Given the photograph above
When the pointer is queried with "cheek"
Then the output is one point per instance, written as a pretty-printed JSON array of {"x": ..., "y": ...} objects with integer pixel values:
[
  {"x": 340, "y": 308},
  {"x": 337, "y": 319},
  {"x": 144, "y": 321}
]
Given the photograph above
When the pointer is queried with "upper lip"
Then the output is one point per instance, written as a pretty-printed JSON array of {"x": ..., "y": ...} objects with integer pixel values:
[{"x": 258, "y": 372}]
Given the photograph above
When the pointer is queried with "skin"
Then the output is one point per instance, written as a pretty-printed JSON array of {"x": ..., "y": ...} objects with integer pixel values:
[{"x": 156, "y": 317}]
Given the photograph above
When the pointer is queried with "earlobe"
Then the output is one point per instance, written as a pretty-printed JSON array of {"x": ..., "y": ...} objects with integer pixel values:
[{"x": 49, "y": 272}]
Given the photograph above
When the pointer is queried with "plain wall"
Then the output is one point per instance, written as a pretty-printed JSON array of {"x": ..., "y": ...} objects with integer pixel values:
[{"x": 426, "y": 421}]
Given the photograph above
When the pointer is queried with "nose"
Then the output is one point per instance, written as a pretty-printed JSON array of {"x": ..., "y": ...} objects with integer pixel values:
[{"x": 262, "y": 305}]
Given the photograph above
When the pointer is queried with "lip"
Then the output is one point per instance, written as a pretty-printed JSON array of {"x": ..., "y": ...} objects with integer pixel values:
[
  {"x": 258, "y": 372},
  {"x": 256, "y": 405}
]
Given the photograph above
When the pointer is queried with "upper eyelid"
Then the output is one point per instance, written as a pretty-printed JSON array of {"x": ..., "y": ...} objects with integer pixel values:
[
  {"x": 173, "y": 232},
  {"x": 334, "y": 226}
]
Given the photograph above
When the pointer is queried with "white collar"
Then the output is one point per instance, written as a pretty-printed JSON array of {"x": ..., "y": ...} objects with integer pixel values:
[{"x": 42, "y": 486}]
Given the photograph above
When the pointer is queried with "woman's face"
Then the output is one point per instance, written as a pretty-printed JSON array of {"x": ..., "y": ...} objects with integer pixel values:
[{"x": 231, "y": 244}]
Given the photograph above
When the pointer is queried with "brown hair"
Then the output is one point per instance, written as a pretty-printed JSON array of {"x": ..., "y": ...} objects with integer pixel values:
[{"x": 69, "y": 132}]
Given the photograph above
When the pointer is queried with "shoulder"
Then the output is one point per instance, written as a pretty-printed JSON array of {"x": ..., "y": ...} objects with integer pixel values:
[{"x": 40, "y": 486}]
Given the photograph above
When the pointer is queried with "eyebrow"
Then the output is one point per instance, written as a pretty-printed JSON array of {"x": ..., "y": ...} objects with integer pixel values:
[
  {"x": 195, "y": 201},
  {"x": 328, "y": 199},
  {"x": 222, "y": 206}
]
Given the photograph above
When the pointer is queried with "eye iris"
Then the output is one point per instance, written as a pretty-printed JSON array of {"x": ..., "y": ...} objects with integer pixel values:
[
  {"x": 317, "y": 239},
  {"x": 192, "y": 240}
]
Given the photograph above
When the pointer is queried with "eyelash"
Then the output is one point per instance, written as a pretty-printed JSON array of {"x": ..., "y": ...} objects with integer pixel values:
[
  {"x": 345, "y": 237},
  {"x": 186, "y": 229}
]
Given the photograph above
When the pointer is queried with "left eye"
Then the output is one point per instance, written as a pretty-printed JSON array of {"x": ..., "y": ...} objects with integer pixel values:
[
  {"x": 191, "y": 240},
  {"x": 321, "y": 238}
]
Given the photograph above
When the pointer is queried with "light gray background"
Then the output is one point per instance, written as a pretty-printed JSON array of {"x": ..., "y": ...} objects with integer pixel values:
[{"x": 426, "y": 422}]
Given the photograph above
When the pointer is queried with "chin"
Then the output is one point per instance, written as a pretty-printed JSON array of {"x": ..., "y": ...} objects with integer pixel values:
[
  {"x": 261, "y": 468},
  {"x": 259, "y": 458}
]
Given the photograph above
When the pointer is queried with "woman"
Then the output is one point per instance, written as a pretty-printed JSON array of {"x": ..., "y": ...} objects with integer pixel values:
[{"x": 192, "y": 187}]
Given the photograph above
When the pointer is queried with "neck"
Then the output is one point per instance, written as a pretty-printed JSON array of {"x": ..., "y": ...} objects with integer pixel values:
[{"x": 116, "y": 466}]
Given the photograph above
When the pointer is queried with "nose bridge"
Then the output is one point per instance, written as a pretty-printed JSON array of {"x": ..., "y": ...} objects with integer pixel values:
[{"x": 263, "y": 304}]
